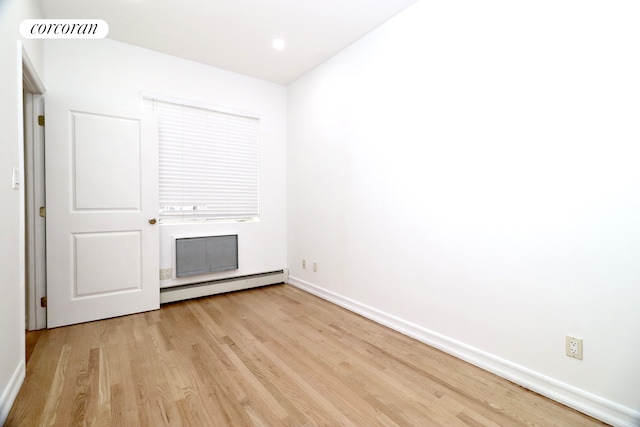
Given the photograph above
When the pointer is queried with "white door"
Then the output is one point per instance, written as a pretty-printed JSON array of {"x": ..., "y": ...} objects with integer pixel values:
[{"x": 102, "y": 194}]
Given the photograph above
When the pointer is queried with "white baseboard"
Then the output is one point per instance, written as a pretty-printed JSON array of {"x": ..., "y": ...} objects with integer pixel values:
[
  {"x": 10, "y": 393},
  {"x": 585, "y": 402}
]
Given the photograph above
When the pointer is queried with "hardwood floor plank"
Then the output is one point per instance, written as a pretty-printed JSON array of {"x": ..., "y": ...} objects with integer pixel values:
[
  {"x": 31, "y": 339},
  {"x": 55, "y": 390},
  {"x": 272, "y": 356},
  {"x": 92, "y": 388},
  {"x": 118, "y": 413}
]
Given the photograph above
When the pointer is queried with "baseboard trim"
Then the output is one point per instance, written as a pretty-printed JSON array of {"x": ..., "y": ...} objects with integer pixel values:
[
  {"x": 10, "y": 393},
  {"x": 580, "y": 400}
]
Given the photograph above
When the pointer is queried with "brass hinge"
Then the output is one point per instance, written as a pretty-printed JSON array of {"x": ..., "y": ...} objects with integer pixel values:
[
  {"x": 43, "y": 302},
  {"x": 41, "y": 120},
  {"x": 43, "y": 212}
]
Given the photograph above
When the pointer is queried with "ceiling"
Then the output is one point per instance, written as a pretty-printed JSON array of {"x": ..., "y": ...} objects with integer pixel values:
[{"x": 237, "y": 35}]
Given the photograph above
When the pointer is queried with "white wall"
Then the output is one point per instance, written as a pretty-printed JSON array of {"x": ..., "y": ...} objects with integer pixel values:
[
  {"x": 110, "y": 70},
  {"x": 12, "y": 258},
  {"x": 470, "y": 171}
]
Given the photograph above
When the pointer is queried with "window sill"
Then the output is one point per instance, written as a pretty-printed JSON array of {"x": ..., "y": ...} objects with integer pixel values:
[{"x": 176, "y": 221}]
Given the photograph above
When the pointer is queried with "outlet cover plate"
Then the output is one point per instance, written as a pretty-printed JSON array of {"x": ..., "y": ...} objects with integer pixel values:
[
  {"x": 166, "y": 273},
  {"x": 574, "y": 347}
]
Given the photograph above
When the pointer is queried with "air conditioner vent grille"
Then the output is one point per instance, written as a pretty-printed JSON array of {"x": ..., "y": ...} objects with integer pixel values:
[{"x": 204, "y": 255}]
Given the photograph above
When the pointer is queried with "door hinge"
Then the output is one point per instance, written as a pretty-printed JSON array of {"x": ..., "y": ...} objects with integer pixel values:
[
  {"x": 41, "y": 120},
  {"x": 43, "y": 212},
  {"x": 43, "y": 302}
]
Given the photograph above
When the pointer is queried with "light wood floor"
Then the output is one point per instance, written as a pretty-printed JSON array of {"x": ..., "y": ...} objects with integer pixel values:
[{"x": 267, "y": 357}]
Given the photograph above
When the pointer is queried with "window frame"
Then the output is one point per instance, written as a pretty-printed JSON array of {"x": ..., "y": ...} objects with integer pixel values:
[{"x": 149, "y": 101}]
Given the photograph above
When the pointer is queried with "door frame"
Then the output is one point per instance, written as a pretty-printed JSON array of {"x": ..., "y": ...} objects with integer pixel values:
[{"x": 34, "y": 193}]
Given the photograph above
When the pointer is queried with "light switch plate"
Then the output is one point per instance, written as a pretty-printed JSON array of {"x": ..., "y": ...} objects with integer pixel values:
[{"x": 15, "y": 179}]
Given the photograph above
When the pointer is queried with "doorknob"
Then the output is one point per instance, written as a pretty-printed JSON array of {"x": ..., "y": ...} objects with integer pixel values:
[{"x": 152, "y": 221}]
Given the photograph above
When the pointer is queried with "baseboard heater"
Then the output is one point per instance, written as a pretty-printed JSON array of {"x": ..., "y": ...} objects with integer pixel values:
[{"x": 219, "y": 286}]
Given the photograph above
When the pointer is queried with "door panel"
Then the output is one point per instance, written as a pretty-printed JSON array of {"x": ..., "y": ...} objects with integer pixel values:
[
  {"x": 107, "y": 263},
  {"x": 102, "y": 187},
  {"x": 103, "y": 145}
]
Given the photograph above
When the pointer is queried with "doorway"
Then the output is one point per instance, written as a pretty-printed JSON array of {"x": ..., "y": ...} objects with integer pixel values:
[{"x": 34, "y": 196}]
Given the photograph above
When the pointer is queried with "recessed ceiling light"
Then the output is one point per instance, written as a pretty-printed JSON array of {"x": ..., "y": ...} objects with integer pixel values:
[{"x": 278, "y": 44}]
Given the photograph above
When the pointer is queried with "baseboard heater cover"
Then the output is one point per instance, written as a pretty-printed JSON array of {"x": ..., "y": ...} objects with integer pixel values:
[{"x": 219, "y": 286}]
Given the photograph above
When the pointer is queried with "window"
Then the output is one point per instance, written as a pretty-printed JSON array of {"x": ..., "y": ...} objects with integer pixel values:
[{"x": 209, "y": 162}]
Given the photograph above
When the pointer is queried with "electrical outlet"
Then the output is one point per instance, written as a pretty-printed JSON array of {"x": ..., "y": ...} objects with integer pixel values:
[
  {"x": 574, "y": 347},
  {"x": 315, "y": 267},
  {"x": 304, "y": 263},
  {"x": 165, "y": 273}
]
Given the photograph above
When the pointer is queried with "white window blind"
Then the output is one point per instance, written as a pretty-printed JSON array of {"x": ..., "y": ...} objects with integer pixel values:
[{"x": 209, "y": 162}]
